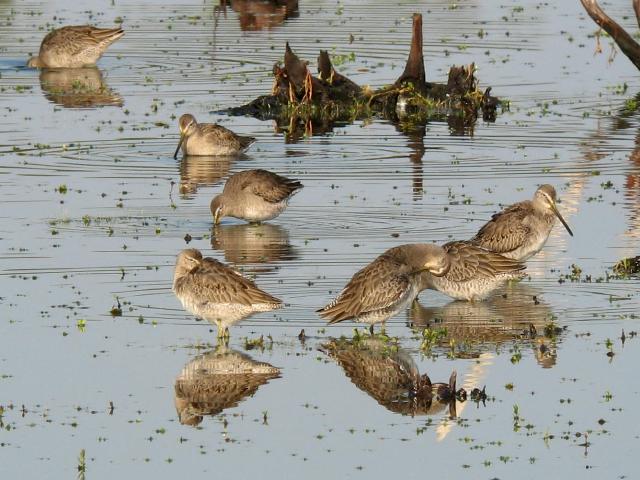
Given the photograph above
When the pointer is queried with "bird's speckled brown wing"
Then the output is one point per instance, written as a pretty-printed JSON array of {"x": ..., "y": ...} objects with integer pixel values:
[
  {"x": 73, "y": 40},
  {"x": 269, "y": 186},
  {"x": 507, "y": 230},
  {"x": 470, "y": 262},
  {"x": 214, "y": 282},
  {"x": 220, "y": 135},
  {"x": 377, "y": 286}
]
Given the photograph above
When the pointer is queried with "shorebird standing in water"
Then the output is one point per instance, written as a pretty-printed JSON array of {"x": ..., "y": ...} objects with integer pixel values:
[
  {"x": 254, "y": 196},
  {"x": 209, "y": 139},
  {"x": 209, "y": 289},
  {"x": 521, "y": 230},
  {"x": 74, "y": 46},
  {"x": 392, "y": 281},
  {"x": 387, "y": 285}
]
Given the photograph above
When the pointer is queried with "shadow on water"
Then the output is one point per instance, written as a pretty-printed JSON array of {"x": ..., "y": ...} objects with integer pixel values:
[
  {"x": 388, "y": 374},
  {"x": 249, "y": 244},
  {"x": 517, "y": 316},
  {"x": 217, "y": 380},
  {"x": 78, "y": 88}
]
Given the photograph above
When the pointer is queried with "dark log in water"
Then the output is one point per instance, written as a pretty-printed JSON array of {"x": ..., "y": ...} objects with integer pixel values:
[{"x": 298, "y": 95}]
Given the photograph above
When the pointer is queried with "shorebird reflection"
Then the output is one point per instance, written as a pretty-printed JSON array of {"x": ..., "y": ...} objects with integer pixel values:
[
  {"x": 217, "y": 380},
  {"x": 202, "y": 170},
  {"x": 389, "y": 375},
  {"x": 253, "y": 243},
  {"x": 77, "y": 88},
  {"x": 518, "y": 314}
]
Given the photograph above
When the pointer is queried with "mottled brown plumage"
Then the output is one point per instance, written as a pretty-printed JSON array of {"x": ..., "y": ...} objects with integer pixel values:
[
  {"x": 217, "y": 380},
  {"x": 254, "y": 195},
  {"x": 74, "y": 46},
  {"x": 387, "y": 285},
  {"x": 521, "y": 230},
  {"x": 389, "y": 375},
  {"x": 474, "y": 272},
  {"x": 209, "y": 289},
  {"x": 209, "y": 138}
]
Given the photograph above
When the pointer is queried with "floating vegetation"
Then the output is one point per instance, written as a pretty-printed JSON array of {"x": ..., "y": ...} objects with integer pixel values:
[{"x": 627, "y": 267}]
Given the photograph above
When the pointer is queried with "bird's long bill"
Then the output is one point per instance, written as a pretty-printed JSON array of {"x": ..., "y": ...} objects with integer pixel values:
[
  {"x": 175, "y": 155},
  {"x": 555, "y": 210}
]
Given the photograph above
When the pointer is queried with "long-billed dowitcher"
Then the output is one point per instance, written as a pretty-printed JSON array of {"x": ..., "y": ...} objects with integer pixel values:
[
  {"x": 209, "y": 138},
  {"x": 474, "y": 273},
  {"x": 74, "y": 46},
  {"x": 209, "y": 289},
  {"x": 387, "y": 285},
  {"x": 254, "y": 196},
  {"x": 521, "y": 230}
]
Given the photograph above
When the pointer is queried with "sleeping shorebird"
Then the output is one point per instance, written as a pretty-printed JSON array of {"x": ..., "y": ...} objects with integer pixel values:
[
  {"x": 209, "y": 289},
  {"x": 521, "y": 230},
  {"x": 209, "y": 139},
  {"x": 74, "y": 46},
  {"x": 387, "y": 285},
  {"x": 392, "y": 281},
  {"x": 254, "y": 196}
]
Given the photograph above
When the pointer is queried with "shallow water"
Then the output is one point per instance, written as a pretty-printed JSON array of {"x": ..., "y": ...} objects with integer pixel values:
[{"x": 70, "y": 255}]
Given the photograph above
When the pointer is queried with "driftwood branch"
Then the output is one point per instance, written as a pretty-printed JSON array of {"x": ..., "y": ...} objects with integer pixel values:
[{"x": 627, "y": 44}]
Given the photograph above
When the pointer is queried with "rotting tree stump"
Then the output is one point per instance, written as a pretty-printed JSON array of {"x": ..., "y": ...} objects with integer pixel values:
[{"x": 299, "y": 99}]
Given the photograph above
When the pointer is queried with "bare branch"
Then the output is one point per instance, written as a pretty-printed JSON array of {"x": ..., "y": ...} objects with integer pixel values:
[{"x": 626, "y": 43}]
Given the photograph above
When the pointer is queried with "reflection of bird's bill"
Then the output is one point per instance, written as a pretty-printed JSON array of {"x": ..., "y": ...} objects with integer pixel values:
[
  {"x": 175, "y": 155},
  {"x": 216, "y": 216},
  {"x": 472, "y": 379},
  {"x": 557, "y": 213}
]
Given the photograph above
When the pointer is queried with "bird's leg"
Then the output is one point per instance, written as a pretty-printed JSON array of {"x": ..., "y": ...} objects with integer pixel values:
[
  {"x": 308, "y": 131},
  {"x": 371, "y": 329}
]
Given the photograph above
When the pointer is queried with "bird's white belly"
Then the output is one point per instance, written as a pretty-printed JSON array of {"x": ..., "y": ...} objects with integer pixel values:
[{"x": 261, "y": 211}]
